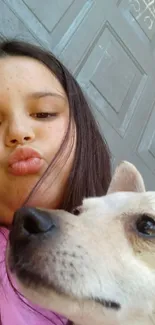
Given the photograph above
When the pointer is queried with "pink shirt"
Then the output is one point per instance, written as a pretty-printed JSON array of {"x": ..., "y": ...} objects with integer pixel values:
[{"x": 12, "y": 310}]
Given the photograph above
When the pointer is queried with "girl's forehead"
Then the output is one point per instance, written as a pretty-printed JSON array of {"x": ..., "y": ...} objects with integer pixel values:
[{"x": 28, "y": 73}]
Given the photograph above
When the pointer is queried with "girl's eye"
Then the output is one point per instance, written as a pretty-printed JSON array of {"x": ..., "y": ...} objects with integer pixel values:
[{"x": 44, "y": 115}]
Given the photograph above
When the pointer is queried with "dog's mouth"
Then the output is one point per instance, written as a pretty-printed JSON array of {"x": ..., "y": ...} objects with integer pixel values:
[
  {"x": 108, "y": 303},
  {"x": 34, "y": 281}
]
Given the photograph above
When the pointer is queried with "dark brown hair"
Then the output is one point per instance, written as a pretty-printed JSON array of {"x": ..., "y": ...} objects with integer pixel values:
[{"x": 91, "y": 172}]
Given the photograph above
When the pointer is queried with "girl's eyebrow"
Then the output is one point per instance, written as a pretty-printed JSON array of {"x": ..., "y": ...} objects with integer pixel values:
[{"x": 41, "y": 94}]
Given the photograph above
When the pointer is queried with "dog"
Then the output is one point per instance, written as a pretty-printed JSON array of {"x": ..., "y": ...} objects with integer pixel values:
[{"x": 95, "y": 265}]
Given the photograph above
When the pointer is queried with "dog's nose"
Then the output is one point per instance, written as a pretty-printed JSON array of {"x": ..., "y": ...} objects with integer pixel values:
[{"x": 34, "y": 221}]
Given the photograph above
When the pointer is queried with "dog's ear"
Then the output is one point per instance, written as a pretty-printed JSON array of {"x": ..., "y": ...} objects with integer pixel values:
[{"x": 126, "y": 179}]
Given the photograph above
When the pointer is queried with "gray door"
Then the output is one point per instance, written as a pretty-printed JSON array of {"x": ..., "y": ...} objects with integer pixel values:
[{"x": 109, "y": 45}]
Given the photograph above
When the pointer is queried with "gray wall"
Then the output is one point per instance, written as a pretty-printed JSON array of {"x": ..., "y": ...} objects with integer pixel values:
[{"x": 109, "y": 45}]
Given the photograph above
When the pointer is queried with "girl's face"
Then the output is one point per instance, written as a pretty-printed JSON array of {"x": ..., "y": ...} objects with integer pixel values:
[{"x": 34, "y": 114}]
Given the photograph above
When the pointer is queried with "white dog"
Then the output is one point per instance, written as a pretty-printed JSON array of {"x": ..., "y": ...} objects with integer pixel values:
[{"x": 96, "y": 268}]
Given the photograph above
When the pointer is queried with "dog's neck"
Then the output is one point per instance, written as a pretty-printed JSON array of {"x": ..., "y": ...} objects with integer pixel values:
[{"x": 135, "y": 318}]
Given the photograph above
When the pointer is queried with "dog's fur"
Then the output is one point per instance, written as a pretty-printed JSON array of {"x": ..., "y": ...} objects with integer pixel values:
[{"x": 98, "y": 267}]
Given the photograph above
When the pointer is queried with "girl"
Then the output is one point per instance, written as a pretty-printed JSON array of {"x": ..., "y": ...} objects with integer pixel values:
[{"x": 51, "y": 152}]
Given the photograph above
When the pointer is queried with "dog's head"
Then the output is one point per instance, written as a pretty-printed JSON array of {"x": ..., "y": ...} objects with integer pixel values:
[{"x": 94, "y": 268}]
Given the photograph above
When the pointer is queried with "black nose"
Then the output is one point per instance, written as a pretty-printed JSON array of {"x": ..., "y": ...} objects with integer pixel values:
[{"x": 34, "y": 221}]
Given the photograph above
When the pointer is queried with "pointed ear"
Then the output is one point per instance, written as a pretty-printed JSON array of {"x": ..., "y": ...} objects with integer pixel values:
[{"x": 126, "y": 179}]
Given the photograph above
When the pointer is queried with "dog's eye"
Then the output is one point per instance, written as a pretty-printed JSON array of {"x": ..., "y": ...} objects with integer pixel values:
[
  {"x": 146, "y": 225},
  {"x": 76, "y": 211}
]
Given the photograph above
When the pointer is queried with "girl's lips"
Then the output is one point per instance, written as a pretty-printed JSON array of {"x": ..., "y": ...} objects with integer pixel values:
[{"x": 24, "y": 161}]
